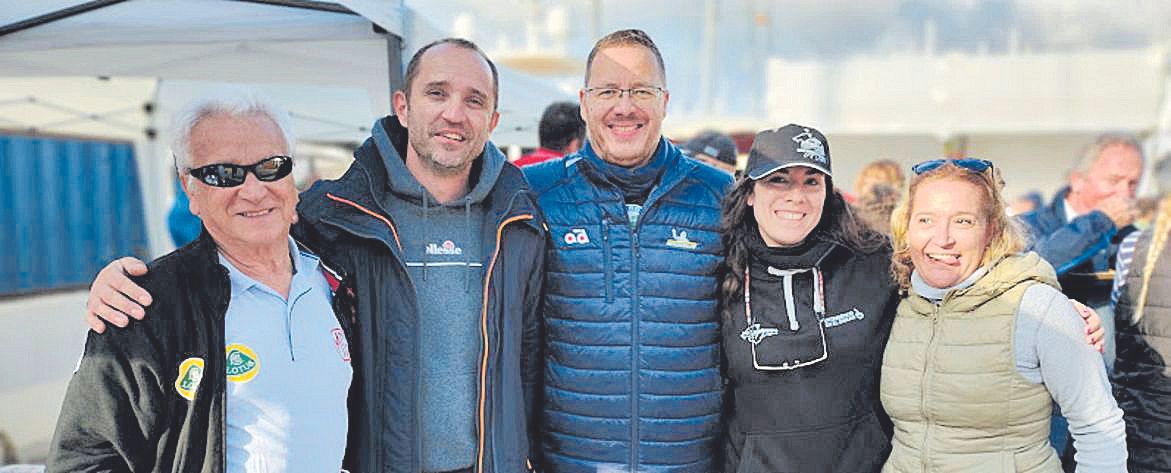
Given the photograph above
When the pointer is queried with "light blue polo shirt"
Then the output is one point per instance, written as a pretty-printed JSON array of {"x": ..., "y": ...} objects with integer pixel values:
[{"x": 288, "y": 371}]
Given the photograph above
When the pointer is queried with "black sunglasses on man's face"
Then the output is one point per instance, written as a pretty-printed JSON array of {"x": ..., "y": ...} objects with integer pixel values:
[{"x": 231, "y": 175}]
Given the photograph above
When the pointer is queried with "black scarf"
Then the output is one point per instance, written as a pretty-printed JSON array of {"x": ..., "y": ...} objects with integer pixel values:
[{"x": 635, "y": 183}]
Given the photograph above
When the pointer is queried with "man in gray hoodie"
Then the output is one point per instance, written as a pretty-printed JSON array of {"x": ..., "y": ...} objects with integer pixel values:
[{"x": 443, "y": 242}]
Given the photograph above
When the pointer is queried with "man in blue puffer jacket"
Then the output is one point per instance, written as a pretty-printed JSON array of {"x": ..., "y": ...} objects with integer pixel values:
[
  {"x": 1079, "y": 232},
  {"x": 632, "y": 375}
]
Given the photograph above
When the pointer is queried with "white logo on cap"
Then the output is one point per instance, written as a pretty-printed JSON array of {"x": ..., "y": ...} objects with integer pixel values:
[{"x": 810, "y": 147}]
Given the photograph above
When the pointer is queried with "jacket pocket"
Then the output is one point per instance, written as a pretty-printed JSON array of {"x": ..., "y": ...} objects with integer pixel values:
[{"x": 858, "y": 446}]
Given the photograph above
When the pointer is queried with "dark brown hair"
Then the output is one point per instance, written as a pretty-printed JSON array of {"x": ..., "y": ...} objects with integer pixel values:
[{"x": 413, "y": 65}]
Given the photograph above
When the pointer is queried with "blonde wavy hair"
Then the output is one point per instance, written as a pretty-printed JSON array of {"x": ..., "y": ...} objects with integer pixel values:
[
  {"x": 1007, "y": 237},
  {"x": 1158, "y": 242}
]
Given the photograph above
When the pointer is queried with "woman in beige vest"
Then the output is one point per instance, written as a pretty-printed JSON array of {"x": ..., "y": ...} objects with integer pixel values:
[{"x": 983, "y": 341}]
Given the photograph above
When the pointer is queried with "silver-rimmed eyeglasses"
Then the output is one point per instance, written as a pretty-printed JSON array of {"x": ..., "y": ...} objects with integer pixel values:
[{"x": 637, "y": 94}]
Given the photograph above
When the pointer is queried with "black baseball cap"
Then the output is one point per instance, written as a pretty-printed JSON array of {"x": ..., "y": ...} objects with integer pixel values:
[{"x": 785, "y": 147}]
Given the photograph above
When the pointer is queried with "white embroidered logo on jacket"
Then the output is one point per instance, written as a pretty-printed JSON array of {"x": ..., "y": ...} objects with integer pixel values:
[
  {"x": 447, "y": 248},
  {"x": 755, "y": 334},
  {"x": 679, "y": 240}
]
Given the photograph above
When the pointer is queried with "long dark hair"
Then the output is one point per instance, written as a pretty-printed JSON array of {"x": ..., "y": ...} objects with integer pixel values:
[{"x": 838, "y": 224}]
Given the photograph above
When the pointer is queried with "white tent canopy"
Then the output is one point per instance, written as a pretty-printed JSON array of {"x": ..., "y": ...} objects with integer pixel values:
[
  {"x": 211, "y": 40},
  {"x": 291, "y": 43},
  {"x": 116, "y": 69}
]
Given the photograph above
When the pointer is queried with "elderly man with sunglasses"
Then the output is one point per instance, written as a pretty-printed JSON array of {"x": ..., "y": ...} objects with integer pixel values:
[{"x": 215, "y": 378}]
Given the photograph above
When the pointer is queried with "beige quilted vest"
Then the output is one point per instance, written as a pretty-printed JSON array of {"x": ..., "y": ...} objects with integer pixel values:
[{"x": 950, "y": 384}]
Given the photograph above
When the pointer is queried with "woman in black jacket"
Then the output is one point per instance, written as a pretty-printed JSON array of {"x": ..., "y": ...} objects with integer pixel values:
[{"x": 807, "y": 302}]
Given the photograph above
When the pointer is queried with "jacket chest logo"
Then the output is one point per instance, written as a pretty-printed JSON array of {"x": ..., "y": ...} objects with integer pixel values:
[
  {"x": 843, "y": 318},
  {"x": 190, "y": 374},
  {"x": 679, "y": 240},
  {"x": 755, "y": 334},
  {"x": 576, "y": 236},
  {"x": 446, "y": 248},
  {"x": 340, "y": 343},
  {"x": 243, "y": 364}
]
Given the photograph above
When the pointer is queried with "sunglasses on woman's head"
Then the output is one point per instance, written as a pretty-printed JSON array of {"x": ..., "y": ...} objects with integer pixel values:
[
  {"x": 971, "y": 164},
  {"x": 231, "y": 175}
]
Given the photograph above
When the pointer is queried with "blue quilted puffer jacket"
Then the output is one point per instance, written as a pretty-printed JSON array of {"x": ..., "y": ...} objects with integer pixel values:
[{"x": 632, "y": 375}]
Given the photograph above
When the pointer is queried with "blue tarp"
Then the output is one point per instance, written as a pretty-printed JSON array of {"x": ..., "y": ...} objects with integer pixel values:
[{"x": 67, "y": 207}]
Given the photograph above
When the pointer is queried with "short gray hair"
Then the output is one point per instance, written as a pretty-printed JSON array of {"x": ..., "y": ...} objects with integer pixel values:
[
  {"x": 229, "y": 101},
  {"x": 1091, "y": 151}
]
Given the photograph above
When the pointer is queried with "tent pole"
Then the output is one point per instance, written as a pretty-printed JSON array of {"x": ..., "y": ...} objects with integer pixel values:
[
  {"x": 156, "y": 177},
  {"x": 394, "y": 64}
]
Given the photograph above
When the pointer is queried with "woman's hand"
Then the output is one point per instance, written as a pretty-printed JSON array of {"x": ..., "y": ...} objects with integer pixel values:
[{"x": 1095, "y": 334}]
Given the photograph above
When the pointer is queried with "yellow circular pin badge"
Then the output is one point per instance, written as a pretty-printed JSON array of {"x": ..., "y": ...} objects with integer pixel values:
[
  {"x": 242, "y": 363},
  {"x": 190, "y": 374}
]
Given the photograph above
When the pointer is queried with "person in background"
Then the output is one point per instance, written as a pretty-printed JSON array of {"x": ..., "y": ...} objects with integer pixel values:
[
  {"x": 213, "y": 379},
  {"x": 876, "y": 205},
  {"x": 713, "y": 148},
  {"x": 1142, "y": 297},
  {"x": 983, "y": 341},
  {"x": 560, "y": 132},
  {"x": 1080, "y": 231},
  {"x": 880, "y": 172},
  {"x": 876, "y": 191}
]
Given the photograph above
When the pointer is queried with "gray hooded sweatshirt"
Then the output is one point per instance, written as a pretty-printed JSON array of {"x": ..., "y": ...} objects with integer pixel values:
[{"x": 442, "y": 248}]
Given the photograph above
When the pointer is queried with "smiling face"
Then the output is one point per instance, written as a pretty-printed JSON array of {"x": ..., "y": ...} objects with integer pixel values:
[
  {"x": 788, "y": 204},
  {"x": 948, "y": 232},
  {"x": 450, "y": 109},
  {"x": 251, "y": 215},
  {"x": 623, "y": 131}
]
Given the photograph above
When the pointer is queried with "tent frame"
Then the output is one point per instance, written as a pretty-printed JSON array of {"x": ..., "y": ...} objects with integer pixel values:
[{"x": 157, "y": 236}]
